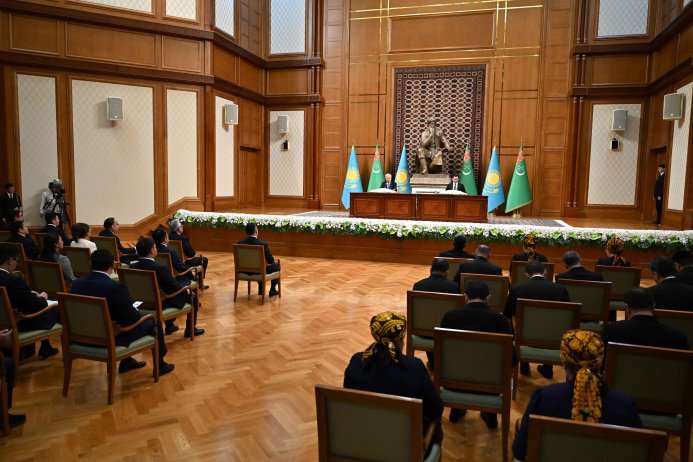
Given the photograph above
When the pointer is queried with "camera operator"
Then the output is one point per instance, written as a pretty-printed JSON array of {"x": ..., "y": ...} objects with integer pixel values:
[{"x": 50, "y": 199}]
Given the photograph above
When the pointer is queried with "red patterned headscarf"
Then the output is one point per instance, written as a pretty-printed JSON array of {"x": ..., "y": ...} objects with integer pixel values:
[{"x": 583, "y": 351}]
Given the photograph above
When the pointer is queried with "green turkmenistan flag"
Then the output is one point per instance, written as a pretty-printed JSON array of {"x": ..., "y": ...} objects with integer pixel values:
[
  {"x": 467, "y": 173},
  {"x": 519, "y": 193},
  {"x": 377, "y": 175}
]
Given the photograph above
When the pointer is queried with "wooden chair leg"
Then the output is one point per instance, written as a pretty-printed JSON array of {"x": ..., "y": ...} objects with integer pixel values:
[
  {"x": 279, "y": 284},
  {"x": 155, "y": 359},
  {"x": 235, "y": 291},
  {"x": 191, "y": 324},
  {"x": 516, "y": 371},
  {"x": 15, "y": 354},
  {"x": 248, "y": 287},
  {"x": 4, "y": 408},
  {"x": 67, "y": 363},
  {"x": 264, "y": 289},
  {"x": 110, "y": 368},
  {"x": 505, "y": 430},
  {"x": 685, "y": 441}
]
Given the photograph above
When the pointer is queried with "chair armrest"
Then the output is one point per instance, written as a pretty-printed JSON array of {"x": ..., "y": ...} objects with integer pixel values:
[
  {"x": 3, "y": 371},
  {"x": 185, "y": 272},
  {"x": 194, "y": 256},
  {"x": 118, "y": 329},
  {"x": 433, "y": 432},
  {"x": 21, "y": 316},
  {"x": 167, "y": 296},
  {"x": 18, "y": 273}
]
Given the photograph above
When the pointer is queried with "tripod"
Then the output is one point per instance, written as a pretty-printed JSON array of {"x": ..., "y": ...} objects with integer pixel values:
[{"x": 58, "y": 202}]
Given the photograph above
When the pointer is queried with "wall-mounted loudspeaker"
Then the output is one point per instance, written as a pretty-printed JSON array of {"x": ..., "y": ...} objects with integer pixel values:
[
  {"x": 230, "y": 114},
  {"x": 283, "y": 124},
  {"x": 619, "y": 120},
  {"x": 673, "y": 106},
  {"x": 114, "y": 108}
]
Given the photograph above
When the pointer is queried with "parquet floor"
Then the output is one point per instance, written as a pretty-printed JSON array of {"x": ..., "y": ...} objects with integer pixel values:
[{"x": 244, "y": 390}]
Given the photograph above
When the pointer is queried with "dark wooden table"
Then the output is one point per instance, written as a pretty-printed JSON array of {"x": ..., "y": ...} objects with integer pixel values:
[{"x": 429, "y": 207}]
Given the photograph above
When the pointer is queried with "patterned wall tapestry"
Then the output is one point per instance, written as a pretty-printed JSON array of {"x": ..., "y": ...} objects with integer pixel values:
[{"x": 455, "y": 96}]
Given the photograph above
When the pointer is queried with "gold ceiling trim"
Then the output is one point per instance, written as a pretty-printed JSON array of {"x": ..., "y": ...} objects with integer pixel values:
[
  {"x": 468, "y": 50},
  {"x": 435, "y": 5},
  {"x": 443, "y": 59},
  {"x": 444, "y": 13}
]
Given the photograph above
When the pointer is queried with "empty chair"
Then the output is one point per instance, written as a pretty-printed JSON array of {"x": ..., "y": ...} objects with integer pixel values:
[
  {"x": 498, "y": 287},
  {"x": 621, "y": 278},
  {"x": 682, "y": 320},
  {"x": 595, "y": 297},
  {"x": 425, "y": 310},
  {"x": 518, "y": 275},
  {"x": 46, "y": 277},
  {"x": 249, "y": 259}
]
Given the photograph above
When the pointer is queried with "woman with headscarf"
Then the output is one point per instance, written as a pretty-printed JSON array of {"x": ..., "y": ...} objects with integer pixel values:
[
  {"x": 614, "y": 249},
  {"x": 583, "y": 396},
  {"x": 383, "y": 368},
  {"x": 529, "y": 251}
]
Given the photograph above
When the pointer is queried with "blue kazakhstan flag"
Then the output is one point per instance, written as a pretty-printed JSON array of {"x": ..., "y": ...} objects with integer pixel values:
[
  {"x": 402, "y": 177},
  {"x": 493, "y": 188},
  {"x": 352, "y": 182}
]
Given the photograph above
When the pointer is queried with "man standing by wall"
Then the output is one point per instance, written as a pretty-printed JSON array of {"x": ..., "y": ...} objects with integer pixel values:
[{"x": 659, "y": 193}]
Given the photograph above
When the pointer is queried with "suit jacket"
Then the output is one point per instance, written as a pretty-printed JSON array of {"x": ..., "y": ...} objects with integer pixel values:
[
  {"x": 31, "y": 250},
  {"x": 188, "y": 250},
  {"x": 27, "y": 302},
  {"x": 609, "y": 261},
  {"x": 523, "y": 257},
  {"x": 437, "y": 283},
  {"x": 252, "y": 240},
  {"x": 51, "y": 228},
  {"x": 581, "y": 274},
  {"x": 177, "y": 263},
  {"x": 9, "y": 204},
  {"x": 454, "y": 253},
  {"x": 451, "y": 187},
  {"x": 536, "y": 288},
  {"x": 165, "y": 281},
  {"x": 658, "y": 188},
  {"x": 685, "y": 275},
  {"x": 96, "y": 284},
  {"x": 121, "y": 249},
  {"x": 557, "y": 401},
  {"x": 393, "y": 185},
  {"x": 479, "y": 265},
  {"x": 646, "y": 331},
  {"x": 671, "y": 294}
]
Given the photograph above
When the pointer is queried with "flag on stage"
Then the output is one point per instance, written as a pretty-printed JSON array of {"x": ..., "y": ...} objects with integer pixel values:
[
  {"x": 352, "y": 182},
  {"x": 377, "y": 175},
  {"x": 467, "y": 173},
  {"x": 493, "y": 187},
  {"x": 519, "y": 193},
  {"x": 402, "y": 177}
]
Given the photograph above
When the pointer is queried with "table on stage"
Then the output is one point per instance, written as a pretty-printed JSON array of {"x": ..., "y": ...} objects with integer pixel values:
[{"x": 429, "y": 207}]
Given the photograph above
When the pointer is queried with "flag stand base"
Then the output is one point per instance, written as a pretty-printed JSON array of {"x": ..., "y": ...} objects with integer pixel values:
[
  {"x": 490, "y": 214},
  {"x": 517, "y": 215}
]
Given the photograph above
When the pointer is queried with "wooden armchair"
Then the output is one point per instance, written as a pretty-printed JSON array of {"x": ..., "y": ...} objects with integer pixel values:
[
  {"x": 178, "y": 247},
  {"x": 518, "y": 275},
  {"x": 4, "y": 410},
  {"x": 20, "y": 270},
  {"x": 109, "y": 243},
  {"x": 621, "y": 278},
  {"x": 425, "y": 310},
  {"x": 5, "y": 235},
  {"x": 249, "y": 259},
  {"x": 498, "y": 287},
  {"x": 454, "y": 265},
  {"x": 595, "y": 297},
  {"x": 682, "y": 320},
  {"x": 80, "y": 260},
  {"x": 46, "y": 277}
]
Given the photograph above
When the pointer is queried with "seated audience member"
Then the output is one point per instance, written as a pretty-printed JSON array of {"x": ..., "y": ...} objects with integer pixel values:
[
  {"x": 480, "y": 264},
  {"x": 529, "y": 251},
  {"x": 146, "y": 249},
  {"x": 110, "y": 228},
  {"x": 457, "y": 251},
  {"x": 383, "y": 368},
  {"x": 455, "y": 184},
  {"x": 388, "y": 183},
  {"x": 614, "y": 249},
  {"x": 573, "y": 264},
  {"x": 438, "y": 281},
  {"x": 669, "y": 293},
  {"x": 10, "y": 201},
  {"x": 272, "y": 264},
  {"x": 10, "y": 371},
  {"x": 53, "y": 226},
  {"x": 52, "y": 244},
  {"x": 98, "y": 283},
  {"x": 26, "y": 301},
  {"x": 161, "y": 240},
  {"x": 14, "y": 215},
  {"x": 536, "y": 287},
  {"x": 81, "y": 232},
  {"x": 683, "y": 261},
  {"x": 20, "y": 235},
  {"x": 583, "y": 396},
  {"x": 176, "y": 234},
  {"x": 477, "y": 316}
]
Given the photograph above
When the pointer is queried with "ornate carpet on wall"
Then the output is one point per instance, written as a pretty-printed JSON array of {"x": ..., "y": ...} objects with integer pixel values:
[{"x": 455, "y": 96}]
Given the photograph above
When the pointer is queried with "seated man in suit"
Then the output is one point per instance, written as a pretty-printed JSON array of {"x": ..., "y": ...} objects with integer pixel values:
[
  {"x": 683, "y": 261},
  {"x": 27, "y": 301},
  {"x": 176, "y": 234},
  {"x": 669, "y": 293},
  {"x": 455, "y": 184},
  {"x": 53, "y": 226},
  {"x": 14, "y": 215},
  {"x": 161, "y": 240},
  {"x": 536, "y": 287},
  {"x": 272, "y": 264},
  {"x": 458, "y": 244},
  {"x": 98, "y": 283},
  {"x": 388, "y": 183},
  {"x": 475, "y": 315},
  {"x": 20, "y": 235},
  {"x": 573, "y": 264},
  {"x": 438, "y": 281},
  {"x": 10, "y": 371},
  {"x": 110, "y": 228},
  {"x": 146, "y": 249},
  {"x": 480, "y": 264}
]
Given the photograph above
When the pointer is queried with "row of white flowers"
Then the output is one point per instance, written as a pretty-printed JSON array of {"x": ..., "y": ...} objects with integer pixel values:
[{"x": 400, "y": 229}]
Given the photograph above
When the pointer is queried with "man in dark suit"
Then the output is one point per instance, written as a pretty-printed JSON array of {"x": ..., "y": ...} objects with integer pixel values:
[
  {"x": 475, "y": 315},
  {"x": 573, "y": 264},
  {"x": 684, "y": 267},
  {"x": 272, "y": 264},
  {"x": 658, "y": 195},
  {"x": 480, "y": 264},
  {"x": 176, "y": 234},
  {"x": 438, "y": 281},
  {"x": 388, "y": 183},
  {"x": 110, "y": 228},
  {"x": 20, "y": 235},
  {"x": 53, "y": 226},
  {"x": 10, "y": 372},
  {"x": 455, "y": 184},
  {"x": 98, "y": 283},
  {"x": 27, "y": 301},
  {"x": 458, "y": 244},
  {"x": 10, "y": 201},
  {"x": 641, "y": 327},
  {"x": 669, "y": 293},
  {"x": 161, "y": 240},
  {"x": 536, "y": 287},
  {"x": 14, "y": 215},
  {"x": 146, "y": 249}
]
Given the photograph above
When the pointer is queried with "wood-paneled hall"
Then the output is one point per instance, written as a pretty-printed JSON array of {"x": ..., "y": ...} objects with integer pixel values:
[{"x": 367, "y": 75}]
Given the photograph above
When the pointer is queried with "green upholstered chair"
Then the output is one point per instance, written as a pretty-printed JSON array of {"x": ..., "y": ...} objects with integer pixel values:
[
  {"x": 552, "y": 439},
  {"x": 165, "y": 259},
  {"x": 5, "y": 235},
  {"x": 454, "y": 265},
  {"x": 682, "y": 320},
  {"x": 660, "y": 381},
  {"x": 143, "y": 287},
  {"x": 595, "y": 297},
  {"x": 9, "y": 318},
  {"x": 20, "y": 270},
  {"x": 498, "y": 287},
  {"x": 90, "y": 334},
  {"x": 251, "y": 259},
  {"x": 4, "y": 411},
  {"x": 518, "y": 275},
  {"x": 199, "y": 270},
  {"x": 80, "y": 260},
  {"x": 539, "y": 328},
  {"x": 425, "y": 310},
  {"x": 109, "y": 243},
  {"x": 46, "y": 277},
  {"x": 351, "y": 427},
  {"x": 621, "y": 279},
  {"x": 475, "y": 361},
  {"x": 39, "y": 239}
]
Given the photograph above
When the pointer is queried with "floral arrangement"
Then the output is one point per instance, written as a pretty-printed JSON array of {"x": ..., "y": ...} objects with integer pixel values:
[{"x": 413, "y": 230}]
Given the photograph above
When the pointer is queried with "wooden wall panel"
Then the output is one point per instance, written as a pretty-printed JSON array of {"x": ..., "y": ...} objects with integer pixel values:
[
  {"x": 224, "y": 65},
  {"x": 288, "y": 82},
  {"x": 29, "y": 33},
  {"x": 363, "y": 37},
  {"x": 619, "y": 70},
  {"x": 450, "y": 31},
  {"x": 251, "y": 25},
  {"x": 250, "y": 125},
  {"x": 180, "y": 54},
  {"x": 250, "y": 76},
  {"x": 517, "y": 31},
  {"x": 110, "y": 45}
]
